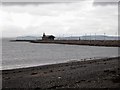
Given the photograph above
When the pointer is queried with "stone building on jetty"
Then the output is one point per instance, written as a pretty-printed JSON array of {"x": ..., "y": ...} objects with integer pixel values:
[{"x": 47, "y": 37}]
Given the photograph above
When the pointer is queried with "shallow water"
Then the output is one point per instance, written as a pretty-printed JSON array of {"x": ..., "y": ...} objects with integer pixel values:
[{"x": 24, "y": 54}]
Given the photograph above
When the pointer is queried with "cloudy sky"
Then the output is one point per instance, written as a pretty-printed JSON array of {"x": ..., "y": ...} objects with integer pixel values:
[{"x": 67, "y": 17}]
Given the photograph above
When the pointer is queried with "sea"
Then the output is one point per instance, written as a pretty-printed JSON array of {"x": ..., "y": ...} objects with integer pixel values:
[{"x": 25, "y": 54}]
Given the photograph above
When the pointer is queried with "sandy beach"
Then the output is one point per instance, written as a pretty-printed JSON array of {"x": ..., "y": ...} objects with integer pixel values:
[{"x": 98, "y": 73}]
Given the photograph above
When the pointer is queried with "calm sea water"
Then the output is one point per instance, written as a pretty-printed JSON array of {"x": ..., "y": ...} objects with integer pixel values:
[{"x": 24, "y": 54}]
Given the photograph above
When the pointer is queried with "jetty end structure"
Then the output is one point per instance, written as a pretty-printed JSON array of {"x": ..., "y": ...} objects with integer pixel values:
[{"x": 47, "y": 37}]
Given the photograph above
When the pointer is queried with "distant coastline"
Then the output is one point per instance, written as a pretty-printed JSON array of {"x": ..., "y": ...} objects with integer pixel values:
[{"x": 90, "y": 40}]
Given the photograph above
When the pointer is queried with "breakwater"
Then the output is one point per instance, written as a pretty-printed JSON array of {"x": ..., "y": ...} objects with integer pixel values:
[{"x": 110, "y": 43}]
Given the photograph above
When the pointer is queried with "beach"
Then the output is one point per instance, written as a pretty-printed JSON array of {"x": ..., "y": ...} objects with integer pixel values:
[
  {"x": 60, "y": 44},
  {"x": 98, "y": 73}
]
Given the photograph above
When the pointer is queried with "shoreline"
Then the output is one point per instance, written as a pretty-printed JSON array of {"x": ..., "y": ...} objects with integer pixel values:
[
  {"x": 69, "y": 61},
  {"x": 86, "y": 60},
  {"x": 100, "y": 73}
]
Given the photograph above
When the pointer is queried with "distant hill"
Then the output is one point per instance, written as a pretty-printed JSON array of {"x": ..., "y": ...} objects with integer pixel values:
[
  {"x": 88, "y": 37},
  {"x": 99, "y": 37},
  {"x": 28, "y": 38}
]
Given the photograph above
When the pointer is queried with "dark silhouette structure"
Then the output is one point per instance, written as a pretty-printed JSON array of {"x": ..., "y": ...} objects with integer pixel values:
[{"x": 48, "y": 37}]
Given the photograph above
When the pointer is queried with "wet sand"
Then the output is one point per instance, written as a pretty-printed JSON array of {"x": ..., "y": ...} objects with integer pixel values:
[{"x": 99, "y": 73}]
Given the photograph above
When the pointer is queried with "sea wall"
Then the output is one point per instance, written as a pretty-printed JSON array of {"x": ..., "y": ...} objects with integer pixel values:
[{"x": 111, "y": 43}]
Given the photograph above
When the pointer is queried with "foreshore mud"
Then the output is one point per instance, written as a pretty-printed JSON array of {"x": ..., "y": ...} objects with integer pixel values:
[{"x": 98, "y": 73}]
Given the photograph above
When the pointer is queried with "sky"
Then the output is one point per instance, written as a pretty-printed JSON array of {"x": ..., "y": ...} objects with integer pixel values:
[
  {"x": 56, "y": 0},
  {"x": 71, "y": 18}
]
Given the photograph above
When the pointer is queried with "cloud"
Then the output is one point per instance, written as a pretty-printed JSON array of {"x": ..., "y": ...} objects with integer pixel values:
[
  {"x": 40, "y": 0},
  {"x": 66, "y": 18},
  {"x": 36, "y": 2},
  {"x": 105, "y": 2}
]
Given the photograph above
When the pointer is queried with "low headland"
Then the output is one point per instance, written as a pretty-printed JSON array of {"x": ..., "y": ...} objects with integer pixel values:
[
  {"x": 99, "y": 40},
  {"x": 97, "y": 73},
  {"x": 107, "y": 43}
]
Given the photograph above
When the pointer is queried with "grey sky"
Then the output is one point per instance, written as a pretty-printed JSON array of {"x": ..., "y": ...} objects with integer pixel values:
[
  {"x": 56, "y": 0},
  {"x": 58, "y": 19},
  {"x": 37, "y": 2},
  {"x": 40, "y": 0}
]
